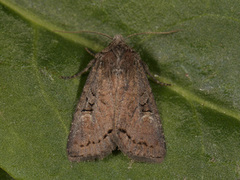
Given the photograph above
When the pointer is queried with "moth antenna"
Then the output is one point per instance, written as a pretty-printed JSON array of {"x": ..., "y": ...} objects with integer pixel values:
[
  {"x": 92, "y": 32},
  {"x": 169, "y": 32},
  {"x": 89, "y": 52}
]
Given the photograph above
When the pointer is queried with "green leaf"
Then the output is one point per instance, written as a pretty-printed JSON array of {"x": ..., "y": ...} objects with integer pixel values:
[
  {"x": 200, "y": 111},
  {"x": 4, "y": 175}
]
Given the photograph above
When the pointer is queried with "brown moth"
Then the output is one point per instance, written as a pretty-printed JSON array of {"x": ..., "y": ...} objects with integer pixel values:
[{"x": 117, "y": 109}]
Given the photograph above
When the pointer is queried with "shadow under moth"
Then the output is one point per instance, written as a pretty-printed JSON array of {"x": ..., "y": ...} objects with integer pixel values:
[{"x": 117, "y": 108}]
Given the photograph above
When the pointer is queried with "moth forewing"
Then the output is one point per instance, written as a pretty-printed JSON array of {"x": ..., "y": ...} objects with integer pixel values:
[{"x": 117, "y": 109}]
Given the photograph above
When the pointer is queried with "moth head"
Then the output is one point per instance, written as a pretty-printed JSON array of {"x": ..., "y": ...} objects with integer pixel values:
[{"x": 118, "y": 39}]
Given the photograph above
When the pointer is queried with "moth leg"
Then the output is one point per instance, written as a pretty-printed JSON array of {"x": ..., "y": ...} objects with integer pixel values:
[
  {"x": 81, "y": 72},
  {"x": 148, "y": 73},
  {"x": 89, "y": 52}
]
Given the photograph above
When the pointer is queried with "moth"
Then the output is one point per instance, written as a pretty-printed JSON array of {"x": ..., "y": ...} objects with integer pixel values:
[{"x": 117, "y": 108}]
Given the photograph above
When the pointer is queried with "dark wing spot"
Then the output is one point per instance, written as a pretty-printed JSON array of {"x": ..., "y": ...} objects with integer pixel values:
[
  {"x": 93, "y": 142},
  {"x": 133, "y": 140}
]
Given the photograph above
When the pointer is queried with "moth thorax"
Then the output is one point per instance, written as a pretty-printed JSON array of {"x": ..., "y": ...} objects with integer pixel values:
[{"x": 117, "y": 71}]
